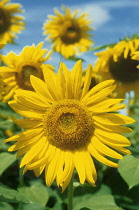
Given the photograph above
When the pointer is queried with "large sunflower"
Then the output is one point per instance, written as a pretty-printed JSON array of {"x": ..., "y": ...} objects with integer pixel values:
[
  {"x": 10, "y": 24},
  {"x": 68, "y": 33},
  {"x": 117, "y": 63},
  {"x": 19, "y": 68},
  {"x": 67, "y": 124}
]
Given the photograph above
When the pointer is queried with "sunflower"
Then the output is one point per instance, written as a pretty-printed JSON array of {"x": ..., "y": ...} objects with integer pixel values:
[
  {"x": 67, "y": 125},
  {"x": 19, "y": 68},
  {"x": 117, "y": 63},
  {"x": 69, "y": 33},
  {"x": 10, "y": 24}
]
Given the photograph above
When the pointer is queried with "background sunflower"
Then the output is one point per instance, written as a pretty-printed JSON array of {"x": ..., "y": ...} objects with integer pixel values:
[
  {"x": 117, "y": 63},
  {"x": 10, "y": 23},
  {"x": 16, "y": 74},
  {"x": 69, "y": 32}
]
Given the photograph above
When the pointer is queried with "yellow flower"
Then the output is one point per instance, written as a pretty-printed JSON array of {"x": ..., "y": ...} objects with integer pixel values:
[
  {"x": 117, "y": 63},
  {"x": 10, "y": 24},
  {"x": 67, "y": 124},
  {"x": 2, "y": 89},
  {"x": 68, "y": 33},
  {"x": 19, "y": 68}
]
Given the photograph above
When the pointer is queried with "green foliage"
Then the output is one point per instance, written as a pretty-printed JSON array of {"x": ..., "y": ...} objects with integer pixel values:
[
  {"x": 74, "y": 58},
  {"x": 99, "y": 202},
  {"x": 32, "y": 193},
  {"x": 97, "y": 48},
  {"x": 129, "y": 170},
  {"x": 6, "y": 159},
  {"x": 5, "y": 206},
  {"x": 127, "y": 38},
  {"x": 10, "y": 195}
]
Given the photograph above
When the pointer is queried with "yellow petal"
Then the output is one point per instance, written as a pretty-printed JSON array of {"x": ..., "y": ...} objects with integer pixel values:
[
  {"x": 27, "y": 123},
  {"x": 28, "y": 134},
  {"x": 106, "y": 151},
  {"x": 98, "y": 156},
  {"x": 50, "y": 79},
  {"x": 76, "y": 77},
  {"x": 67, "y": 172},
  {"x": 98, "y": 89},
  {"x": 31, "y": 99},
  {"x": 78, "y": 159},
  {"x": 113, "y": 128},
  {"x": 33, "y": 152},
  {"x": 24, "y": 111},
  {"x": 113, "y": 118},
  {"x": 44, "y": 160},
  {"x": 87, "y": 81},
  {"x": 51, "y": 170},
  {"x": 41, "y": 88},
  {"x": 112, "y": 139}
]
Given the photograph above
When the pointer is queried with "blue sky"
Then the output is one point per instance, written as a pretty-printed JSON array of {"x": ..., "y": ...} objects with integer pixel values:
[{"x": 111, "y": 20}]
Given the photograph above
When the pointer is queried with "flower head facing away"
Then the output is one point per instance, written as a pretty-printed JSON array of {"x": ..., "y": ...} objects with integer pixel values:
[
  {"x": 68, "y": 33},
  {"x": 117, "y": 63},
  {"x": 16, "y": 74},
  {"x": 10, "y": 24},
  {"x": 68, "y": 124}
]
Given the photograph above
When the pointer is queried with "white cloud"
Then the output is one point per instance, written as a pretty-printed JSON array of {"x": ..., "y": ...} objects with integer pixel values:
[
  {"x": 118, "y": 3},
  {"x": 97, "y": 14}
]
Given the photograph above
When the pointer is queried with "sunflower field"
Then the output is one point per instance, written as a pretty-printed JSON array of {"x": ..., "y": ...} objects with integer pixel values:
[{"x": 69, "y": 133}]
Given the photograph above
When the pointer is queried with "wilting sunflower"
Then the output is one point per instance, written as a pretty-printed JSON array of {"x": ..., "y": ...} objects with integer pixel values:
[
  {"x": 117, "y": 63},
  {"x": 69, "y": 33},
  {"x": 67, "y": 125},
  {"x": 19, "y": 68},
  {"x": 10, "y": 24}
]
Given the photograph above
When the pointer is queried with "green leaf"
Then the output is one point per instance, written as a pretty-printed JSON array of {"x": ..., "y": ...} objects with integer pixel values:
[
  {"x": 98, "y": 202},
  {"x": 9, "y": 195},
  {"x": 5, "y": 206},
  {"x": 37, "y": 193},
  {"x": 129, "y": 170},
  {"x": 74, "y": 58},
  {"x": 3, "y": 146},
  {"x": 6, "y": 159},
  {"x": 102, "y": 47},
  {"x": 35, "y": 206}
]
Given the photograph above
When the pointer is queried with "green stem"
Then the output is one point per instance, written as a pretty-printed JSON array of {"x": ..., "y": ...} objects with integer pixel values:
[
  {"x": 20, "y": 183},
  {"x": 70, "y": 194},
  {"x": 21, "y": 177}
]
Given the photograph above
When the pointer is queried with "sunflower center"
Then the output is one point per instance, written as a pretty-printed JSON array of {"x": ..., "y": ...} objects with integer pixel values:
[
  {"x": 70, "y": 32},
  {"x": 68, "y": 124},
  {"x": 4, "y": 21},
  {"x": 124, "y": 70},
  {"x": 24, "y": 71}
]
